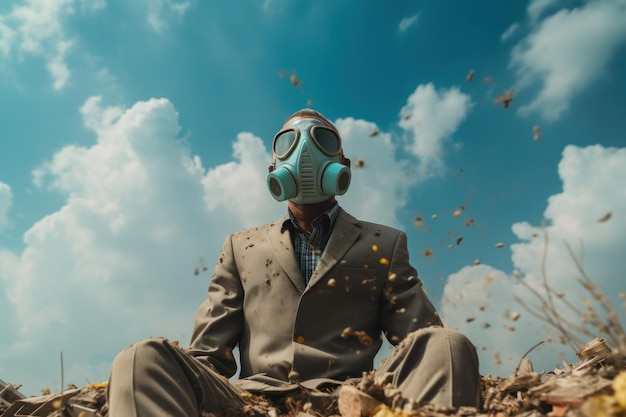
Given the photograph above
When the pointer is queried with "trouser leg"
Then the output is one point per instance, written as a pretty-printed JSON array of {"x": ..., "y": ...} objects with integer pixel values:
[
  {"x": 155, "y": 378},
  {"x": 435, "y": 365}
]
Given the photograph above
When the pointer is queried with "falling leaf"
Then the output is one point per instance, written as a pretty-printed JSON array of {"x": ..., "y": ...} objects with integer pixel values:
[
  {"x": 499, "y": 245},
  {"x": 515, "y": 316},
  {"x": 451, "y": 246},
  {"x": 391, "y": 277},
  {"x": 505, "y": 98},
  {"x": 470, "y": 319},
  {"x": 428, "y": 252},
  {"x": 375, "y": 132},
  {"x": 459, "y": 240},
  {"x": 486, "y": 325},
  {"x": 384, "y": 261},
  {"x": 309, "y": 103},
  {"x": 470, "y": 76},
  {"x": 488, "y": 80},
  {"x": 294, "y": 80},
  {"x": 331, "y": 282},
  {"x": 488, "y": 280},
  {"x": 468, "y": 222},
  {"x": 457, "y": 213},
  {"x": 360, "y": 163},
  {"x": 477, "y": 262},
  {"x": 496, "y": 358},
  {"x": 407, "y": 117},
  {"x": 282, "y": 74},
  {"x": 419, "y": 221},
  {"x": 374, "y": 248},
  {"x": 434, "y": 217},
  {"x": 536, "y": 133},
  {"x": 606, "y": 217}
]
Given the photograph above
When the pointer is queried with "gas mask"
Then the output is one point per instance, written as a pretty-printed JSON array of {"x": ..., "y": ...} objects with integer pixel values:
[{"x": 309, "y": 166}]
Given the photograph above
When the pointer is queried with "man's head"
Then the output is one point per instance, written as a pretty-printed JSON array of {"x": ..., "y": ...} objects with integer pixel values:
[{"x": 308, "y": 163}]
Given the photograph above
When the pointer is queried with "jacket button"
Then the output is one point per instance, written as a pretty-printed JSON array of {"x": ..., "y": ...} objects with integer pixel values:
[{"x": 300, "y": 339}]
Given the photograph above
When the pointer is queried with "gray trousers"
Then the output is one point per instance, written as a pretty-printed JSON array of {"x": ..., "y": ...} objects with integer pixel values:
[{"x": 155, "y": 378}]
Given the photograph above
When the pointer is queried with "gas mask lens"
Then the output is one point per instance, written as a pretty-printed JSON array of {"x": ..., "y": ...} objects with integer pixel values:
[{"x": 327, "y": 140}]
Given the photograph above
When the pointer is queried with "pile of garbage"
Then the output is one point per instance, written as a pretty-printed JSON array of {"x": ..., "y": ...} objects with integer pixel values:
[{"x": 593, "y": 387}]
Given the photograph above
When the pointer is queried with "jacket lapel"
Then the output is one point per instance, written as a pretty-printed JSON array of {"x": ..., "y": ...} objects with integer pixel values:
[
  {"x": 285, "y": 255},
  {"x": 345, "y": 232}
]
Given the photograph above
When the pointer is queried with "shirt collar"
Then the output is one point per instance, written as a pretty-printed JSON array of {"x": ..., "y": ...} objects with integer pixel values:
[{"x": 291, "y": 223}]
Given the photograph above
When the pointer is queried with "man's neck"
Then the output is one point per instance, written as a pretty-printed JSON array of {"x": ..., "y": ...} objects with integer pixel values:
[{"x": 306, "y": 213}]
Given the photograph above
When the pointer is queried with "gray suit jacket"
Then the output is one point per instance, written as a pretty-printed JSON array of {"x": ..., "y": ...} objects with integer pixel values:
[{"x": 363, "y": 287}]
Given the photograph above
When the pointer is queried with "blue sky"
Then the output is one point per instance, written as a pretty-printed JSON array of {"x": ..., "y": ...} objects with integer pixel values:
[{"x": 135, "y": 136}]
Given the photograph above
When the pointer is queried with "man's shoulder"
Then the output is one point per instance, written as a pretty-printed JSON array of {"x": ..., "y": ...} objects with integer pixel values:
[
  {"x": 367, "y": 226},
  {"x": 259, "y": 230}
]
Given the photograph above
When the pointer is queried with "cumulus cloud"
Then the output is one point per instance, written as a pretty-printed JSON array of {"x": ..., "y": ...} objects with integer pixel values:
[
  {"x": 566, "y": 51},
  {"x": 5, "y": 203},
  {"x": 479, "y": 300},
  {"x": 134, "y": 229},
  {"x": 536, "y": 8},
  {"x": 381, "y": 184},
  {"x": 430, "y": 117},
  {"x": 407, "y": 22},
  {"x": 36, "y": 28}
]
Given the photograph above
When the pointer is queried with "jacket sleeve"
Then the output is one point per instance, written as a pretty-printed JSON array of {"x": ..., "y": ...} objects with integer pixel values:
[
  {"x": 219, "y": 319},
  {"x": 404, "y": 305}
]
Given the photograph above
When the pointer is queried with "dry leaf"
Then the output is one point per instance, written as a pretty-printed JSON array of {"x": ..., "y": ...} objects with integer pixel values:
[
  {"x": 606, "y": 217},
  {"x": 375, "y": 132},
  {"x": 499, "y": 245},
  {"x": 360, "y": 163},
  {"x": 505, "y": 98},
  {"x": 294, "y": 80},
  {"x": 428, "y": 252},
  {"x": 470, "y": 76}
]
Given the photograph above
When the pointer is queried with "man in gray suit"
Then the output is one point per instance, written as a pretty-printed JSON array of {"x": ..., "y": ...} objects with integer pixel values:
[{"x": 306, "y": 299}]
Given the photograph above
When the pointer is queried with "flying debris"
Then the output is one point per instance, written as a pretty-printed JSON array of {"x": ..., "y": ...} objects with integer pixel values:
[
  {"x": 499, "y": 245},
  {"x": 606, "y": 217},
  {"x": 536, "y": 133},
  {"x": 434, "y": 217},
  {"x": 360, "y": 163},
  {"x": 294, "y": 80},
  {"x": 457, "y": 212},
  {"x": 375, "y": 132},
  {"x": 487, "y": 280},
  {"x": 488, "y": 80},
  {"x": 428, "y": 252},
  {"x": 505, "y": 98},
  {"x": 470, "y": 76},
  {"x": 419, "y": 221},
  {"x": 468, "y": 222},
  {"x": 470, "y": 319},
  {"x": 459, "y": 240},
  {"x": 515, "y": 316},
  {"x": 477, "y": 262},
  {"x": 406, "y": 117}
]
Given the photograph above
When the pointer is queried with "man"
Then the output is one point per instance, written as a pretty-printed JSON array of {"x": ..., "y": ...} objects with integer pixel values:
[{"x": 306, "y": 300}]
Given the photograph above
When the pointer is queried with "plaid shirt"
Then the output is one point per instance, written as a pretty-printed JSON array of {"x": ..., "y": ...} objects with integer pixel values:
[{"x": 309, "y": 246}]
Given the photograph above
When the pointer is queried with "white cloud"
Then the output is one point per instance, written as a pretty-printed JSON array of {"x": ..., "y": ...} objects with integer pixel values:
[
  {"x": 381, "y": 185},
  {"x": 407, "y": 22},
  {"x": 566, "y": 52},
  {"x": 36, "y": 28},
  {"x": 509, "y": 32},
  {"x": 538, "y": 7},
  {"x": 160, "y": 12},
  {"x": 430, "y": 118},
  {"x": 124, "y": 245},
  {"x": 592, "y": 187},
  {"x": 5, "y": 204}
]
